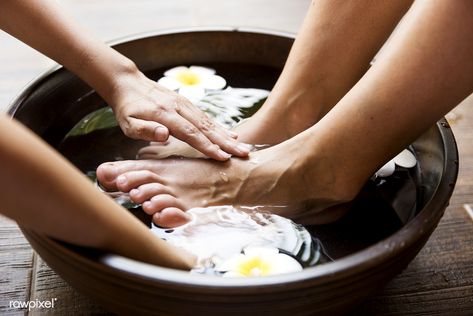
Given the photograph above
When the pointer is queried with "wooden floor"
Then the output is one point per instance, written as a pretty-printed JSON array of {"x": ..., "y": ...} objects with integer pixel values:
[{"x": 438, "y": 282}]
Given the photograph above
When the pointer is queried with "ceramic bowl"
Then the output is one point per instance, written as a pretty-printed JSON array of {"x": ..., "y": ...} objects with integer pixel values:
[{"x": 55, "y": 102}]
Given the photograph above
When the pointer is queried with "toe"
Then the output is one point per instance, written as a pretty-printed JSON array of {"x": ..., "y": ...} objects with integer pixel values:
[
  {"x": 159, "y": 202},
  {"x": 171, "y": 217},
  {"x": 132, "y": 179},
  {"x": 108, "y": 172},
  {"x": 146, "y": 191},
  {"x": 106, "y": 175}
]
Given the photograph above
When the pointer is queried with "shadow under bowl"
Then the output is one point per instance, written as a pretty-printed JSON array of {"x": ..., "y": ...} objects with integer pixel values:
[{"x": 55, "y": 102}]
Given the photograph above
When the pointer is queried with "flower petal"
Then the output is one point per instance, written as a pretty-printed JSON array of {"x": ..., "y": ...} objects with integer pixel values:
[
  {"x": 387, "y": 169},
  {"x": 230, "y": 264},
  {"x": 282, "y": 263},
  {"x": 174, "y": 71},
  {"x": 214, "y": 82},
  {"x": 405, "y": 159},
  {"x": 202, "y": 71},
  {"x": 260, "y": 251},
  {"x": 170, "y": 83},
  {"x": 193, "y": 93}
]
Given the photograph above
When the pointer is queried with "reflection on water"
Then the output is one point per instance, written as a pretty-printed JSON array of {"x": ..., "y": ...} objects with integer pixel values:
[{"x": 217, "y": 233}]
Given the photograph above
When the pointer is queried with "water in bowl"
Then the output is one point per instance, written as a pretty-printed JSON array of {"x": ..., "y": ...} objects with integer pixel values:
[{"x": 382, "y": 207}]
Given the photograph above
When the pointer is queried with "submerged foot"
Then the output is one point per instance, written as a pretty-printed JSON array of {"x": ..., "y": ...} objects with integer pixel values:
[{"x": 276, "y": 178}]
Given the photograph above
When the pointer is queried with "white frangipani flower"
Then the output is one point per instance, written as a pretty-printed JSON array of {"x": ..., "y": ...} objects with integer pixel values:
[
  {"x": 404, "y": 159},
  {"x": 386, "y": 170},
  {"x": 192, "y": 82},
  {"x": 258, "y": 261}
]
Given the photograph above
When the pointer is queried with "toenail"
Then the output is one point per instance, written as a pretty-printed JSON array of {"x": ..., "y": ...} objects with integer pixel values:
[
  {"x": 110, "y": 172},
  {"x": 121, "y": 180}
]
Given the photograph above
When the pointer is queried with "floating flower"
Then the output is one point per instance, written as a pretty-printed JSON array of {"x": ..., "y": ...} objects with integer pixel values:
[
  {"x": 258, "y": 261},
  {"x": 404, "y": 159},
  {"x": 192, "y": 82}
]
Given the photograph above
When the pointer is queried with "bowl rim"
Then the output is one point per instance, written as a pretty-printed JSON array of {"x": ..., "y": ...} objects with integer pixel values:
[{"x": 424, "y": 222}]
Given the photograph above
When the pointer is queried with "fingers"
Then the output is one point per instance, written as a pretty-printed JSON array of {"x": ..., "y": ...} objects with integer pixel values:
[
  {"x": 173, "y": 147},
  {"x": 189, "y": 133},
  {"x": 146, "y": 130},
  {"x": 218, "y": 135},
  {"x": 156, "y": 112}
]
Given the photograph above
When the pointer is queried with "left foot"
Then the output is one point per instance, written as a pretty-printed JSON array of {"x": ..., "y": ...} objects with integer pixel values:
[{"x": 276, "y": 177}]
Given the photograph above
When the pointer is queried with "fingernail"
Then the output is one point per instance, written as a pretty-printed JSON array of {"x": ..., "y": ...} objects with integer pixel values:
[
  {"x": 223, "y": 154},
  {"x": 121, "y": 180},
  {"x": 245, "y": 147},
  {"x": 134, "y": 192},
  {"x": 232, "y": 134},
  {"x": 146, "y": 204},
  {"x": 161, "y": 134}
]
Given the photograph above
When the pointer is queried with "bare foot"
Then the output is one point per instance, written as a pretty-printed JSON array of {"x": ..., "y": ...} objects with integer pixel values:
[{"x": 275, "y": 178}]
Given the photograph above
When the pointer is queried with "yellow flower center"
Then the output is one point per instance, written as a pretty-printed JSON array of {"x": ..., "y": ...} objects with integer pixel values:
[
  {"x": 188, "y": 78},
  {"x": 254, "y": 267}
]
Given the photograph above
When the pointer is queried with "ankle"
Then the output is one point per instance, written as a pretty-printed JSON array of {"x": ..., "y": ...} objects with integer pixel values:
[
  {"x": 296, "y": 113},
  {"x": 324, "y": 174}
]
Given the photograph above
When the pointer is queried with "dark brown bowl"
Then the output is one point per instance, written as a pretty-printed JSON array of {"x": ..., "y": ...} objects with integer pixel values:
[{"x": 51, "y": 106}]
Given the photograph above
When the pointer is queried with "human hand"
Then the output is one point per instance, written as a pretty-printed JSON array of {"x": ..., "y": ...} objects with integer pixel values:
[{"x": 145, "y": 110}]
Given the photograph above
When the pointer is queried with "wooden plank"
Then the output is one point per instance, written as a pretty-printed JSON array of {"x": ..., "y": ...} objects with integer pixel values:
[
  {"x": 15, "y": 267},
  {"x": 47, "y": 285}
]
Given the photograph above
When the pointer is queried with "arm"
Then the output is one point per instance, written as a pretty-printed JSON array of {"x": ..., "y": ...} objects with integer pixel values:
[
  {"x": 424, "y": 72},
  {"x": 331, "y": 53},
  {"x": 46, "y": 193},
  {"x": 144, "y": 109}
]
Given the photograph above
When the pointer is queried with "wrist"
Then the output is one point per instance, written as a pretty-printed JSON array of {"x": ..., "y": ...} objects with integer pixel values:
[
  {"x": 123, "y": 75},
  {"x": 106, "y": 71}
]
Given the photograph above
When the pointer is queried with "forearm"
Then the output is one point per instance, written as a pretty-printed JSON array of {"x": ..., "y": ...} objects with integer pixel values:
[
  {"x": 46, "y": 27},
  {"x": 144, "y": 109},
  {"x": 332, "y": 51},
  {"x": 425, "y": 71},
  {"x": 42, "y": 191}
]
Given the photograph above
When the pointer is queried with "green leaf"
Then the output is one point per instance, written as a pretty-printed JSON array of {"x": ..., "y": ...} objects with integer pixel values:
[{"x": 101, "y": 119}]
